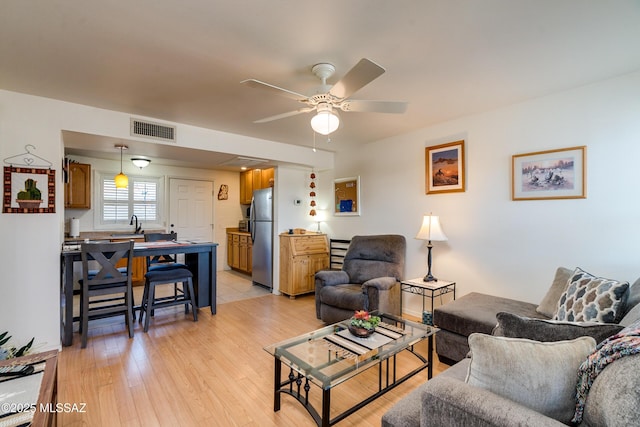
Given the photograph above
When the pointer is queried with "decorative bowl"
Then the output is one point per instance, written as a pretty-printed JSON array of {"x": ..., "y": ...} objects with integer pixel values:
[{"x": 361, "y": 332}]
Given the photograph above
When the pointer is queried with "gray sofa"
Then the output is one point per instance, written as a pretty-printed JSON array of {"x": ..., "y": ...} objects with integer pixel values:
[
  {"x": 450, "y": 400},
  {"x": 476, "y": 312}
]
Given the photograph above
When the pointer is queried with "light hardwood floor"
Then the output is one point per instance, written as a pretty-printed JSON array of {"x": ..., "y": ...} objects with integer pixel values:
[{"x": 213, "y": 372}]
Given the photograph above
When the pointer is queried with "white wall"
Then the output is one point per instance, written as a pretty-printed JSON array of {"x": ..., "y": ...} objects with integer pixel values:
[
  {"x": 31, "y": 251},
  {"x": 291, "y": 183},
  {"x": 499, "y": 246}
]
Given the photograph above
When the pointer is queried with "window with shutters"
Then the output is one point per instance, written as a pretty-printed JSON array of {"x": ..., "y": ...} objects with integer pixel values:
[{"x": 141, "y": 198}]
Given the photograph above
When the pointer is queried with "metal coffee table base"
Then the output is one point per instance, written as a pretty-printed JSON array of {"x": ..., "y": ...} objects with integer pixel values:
[{"x": 298, "y": 386}]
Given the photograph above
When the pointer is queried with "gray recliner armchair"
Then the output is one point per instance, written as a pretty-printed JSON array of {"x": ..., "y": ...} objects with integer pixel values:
[{"x": 369, "y": 280}]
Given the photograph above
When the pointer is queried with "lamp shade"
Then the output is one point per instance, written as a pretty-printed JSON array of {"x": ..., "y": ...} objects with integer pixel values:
[
  {"x": 121, "y": 180},
  {"x": 431, "y": 229},
  {"x": 326, "y": 121}
]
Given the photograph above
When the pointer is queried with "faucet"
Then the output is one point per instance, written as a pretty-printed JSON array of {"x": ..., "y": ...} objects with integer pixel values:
[{"x": 138, "y": 227}]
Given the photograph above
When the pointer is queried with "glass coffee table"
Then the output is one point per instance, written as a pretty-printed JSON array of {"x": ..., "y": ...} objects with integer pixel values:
[{"x": 330, "y": 356}]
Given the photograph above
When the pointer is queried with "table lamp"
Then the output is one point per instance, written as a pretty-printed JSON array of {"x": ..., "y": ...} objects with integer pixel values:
[{"x": 430, "y": 231}]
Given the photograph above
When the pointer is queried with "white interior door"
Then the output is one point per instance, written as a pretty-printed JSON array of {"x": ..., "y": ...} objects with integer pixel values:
[{"x": 191, "y": 209}]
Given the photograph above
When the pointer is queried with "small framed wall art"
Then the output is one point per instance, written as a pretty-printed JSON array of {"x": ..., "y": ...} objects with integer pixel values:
[
  {"x": 551, "y": 174},
  {"x": 29, "y": 190},
  {"x": 347, "y": 196},
  {"x": 444, "y": 168}
]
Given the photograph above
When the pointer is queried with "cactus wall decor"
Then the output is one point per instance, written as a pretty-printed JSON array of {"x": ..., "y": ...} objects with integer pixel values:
[{"x": 29, "y": 190}]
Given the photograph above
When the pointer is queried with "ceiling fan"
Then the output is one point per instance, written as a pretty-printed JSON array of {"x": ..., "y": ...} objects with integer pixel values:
[{"x": 328, "y": 99}]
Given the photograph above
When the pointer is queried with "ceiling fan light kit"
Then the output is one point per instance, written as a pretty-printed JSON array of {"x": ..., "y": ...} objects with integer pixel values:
[
  {"x": 326, "y": 121},
  {"x": 328, "y": 98}
]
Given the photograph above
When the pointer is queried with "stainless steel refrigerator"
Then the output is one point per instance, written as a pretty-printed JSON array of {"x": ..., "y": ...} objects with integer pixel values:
[{"x": 261, "y": 227}]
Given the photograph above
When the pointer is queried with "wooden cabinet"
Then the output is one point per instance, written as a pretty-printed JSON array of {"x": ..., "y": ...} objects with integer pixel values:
[
  {"x": 266, "y": 178},
  {"x": 77, "y": 190},
  {"x": 246, "y": 187},
  {"x": 139, "y": 265},
  {"x": 301, "y": 256},
  {"x": 254, "y": 179},
  {"x": 239, "y": 250}
]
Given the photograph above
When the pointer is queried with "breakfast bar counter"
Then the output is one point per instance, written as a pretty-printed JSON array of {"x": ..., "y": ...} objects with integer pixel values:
[{"x": 200, "y": 258}]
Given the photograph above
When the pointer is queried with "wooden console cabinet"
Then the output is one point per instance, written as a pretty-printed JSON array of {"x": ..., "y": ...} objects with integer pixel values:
[
  {"x": 301, "y": 256},
  {"x": 239, "y": 250}
]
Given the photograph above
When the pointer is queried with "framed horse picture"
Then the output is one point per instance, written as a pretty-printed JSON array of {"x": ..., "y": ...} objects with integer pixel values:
[{"x": 444, "y": 168}]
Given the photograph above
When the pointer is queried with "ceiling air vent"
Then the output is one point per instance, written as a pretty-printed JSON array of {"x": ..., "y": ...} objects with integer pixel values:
[{"x": 153, "y": 130}]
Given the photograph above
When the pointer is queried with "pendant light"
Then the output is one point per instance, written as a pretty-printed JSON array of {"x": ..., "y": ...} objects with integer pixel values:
[{"x": 121, "y": 180}]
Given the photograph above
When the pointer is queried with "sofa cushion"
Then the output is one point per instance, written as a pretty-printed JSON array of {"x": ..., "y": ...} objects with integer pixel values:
[
  {"x": 632, "y": 316},
  {"x": 549, "y": 302},
  {"x": 540, "y": 376},
  {"x": 476, "y": 312},
  {"x": 348, "y": 297},
  {"x": 406, "y": 413},
  {"x": 614, "y": 398},
  {"x": 513, "y": 326},
  {"x": 591, "y": 298},
  {"x": 633, "y": 297}
]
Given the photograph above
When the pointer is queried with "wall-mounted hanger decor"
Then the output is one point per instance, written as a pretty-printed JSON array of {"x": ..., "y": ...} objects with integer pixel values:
[
  {"x": 28, "y": 159},
  {"x": 29, "y": 184}
]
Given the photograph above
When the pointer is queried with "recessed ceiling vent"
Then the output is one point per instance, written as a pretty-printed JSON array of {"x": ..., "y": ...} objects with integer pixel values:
[
  {"x": 244, "y": 161},
  {"x": 153, "y": 130}
]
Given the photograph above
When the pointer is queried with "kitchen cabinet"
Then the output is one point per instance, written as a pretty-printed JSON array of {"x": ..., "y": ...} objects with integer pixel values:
[
  {"x": 77, "y": 190},
  {"x": 301, "y": 256},
  {"x": 239, "y": 250},
  {"x": 139, "y": 264},
  {"x": 254, "y": 179},
  {"x": 266, "y": 178}
]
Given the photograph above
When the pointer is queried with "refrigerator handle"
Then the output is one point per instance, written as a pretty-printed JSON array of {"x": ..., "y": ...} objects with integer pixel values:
[{"x": 252, "y": 220}]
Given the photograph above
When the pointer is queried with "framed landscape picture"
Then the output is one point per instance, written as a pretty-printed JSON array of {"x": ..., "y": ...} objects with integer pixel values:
[
  {"x": 551, "y": 174},
  {"x": 444, "y": 168}
]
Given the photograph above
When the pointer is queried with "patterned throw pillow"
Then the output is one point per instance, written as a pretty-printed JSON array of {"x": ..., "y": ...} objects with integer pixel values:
[{"x": 589, "y": 298}]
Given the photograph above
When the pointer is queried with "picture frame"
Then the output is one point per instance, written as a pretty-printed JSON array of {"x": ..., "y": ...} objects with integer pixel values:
[
  {"x": 347, "y": 196},
  {"x": 550, "y": 174},
  {"x": 445, "y": 168},
  {"x": 29, "y": 181}
]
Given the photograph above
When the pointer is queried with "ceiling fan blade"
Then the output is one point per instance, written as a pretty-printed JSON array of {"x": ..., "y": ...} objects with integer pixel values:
[
  {"x": 285, "y": 115},
  {"x": 363, "y": 73},
  {"x": 361, "y": 106},
  {"x": 274, "y": 89}
]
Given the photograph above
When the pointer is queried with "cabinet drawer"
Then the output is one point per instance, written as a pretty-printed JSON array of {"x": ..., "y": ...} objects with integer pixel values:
[{"x": 309, "y": 245}]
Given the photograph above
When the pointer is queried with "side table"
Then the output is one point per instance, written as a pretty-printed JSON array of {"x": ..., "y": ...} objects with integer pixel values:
[{"x": 427, "y": 289}]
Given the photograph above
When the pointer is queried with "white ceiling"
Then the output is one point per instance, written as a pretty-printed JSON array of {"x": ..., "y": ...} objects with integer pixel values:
[{"x": 182, "y": 61}]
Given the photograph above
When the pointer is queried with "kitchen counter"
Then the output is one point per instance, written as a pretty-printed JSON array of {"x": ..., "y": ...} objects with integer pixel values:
[
  {"x": 236, "y": 230},
  {"x": 108, "y": 235}
]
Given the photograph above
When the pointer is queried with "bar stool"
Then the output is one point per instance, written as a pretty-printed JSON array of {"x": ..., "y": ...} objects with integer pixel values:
[
  {"x": 163, "y": 262},
  {"x": 167, "y": 277},
  {"x": 105, "y": 291}
]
